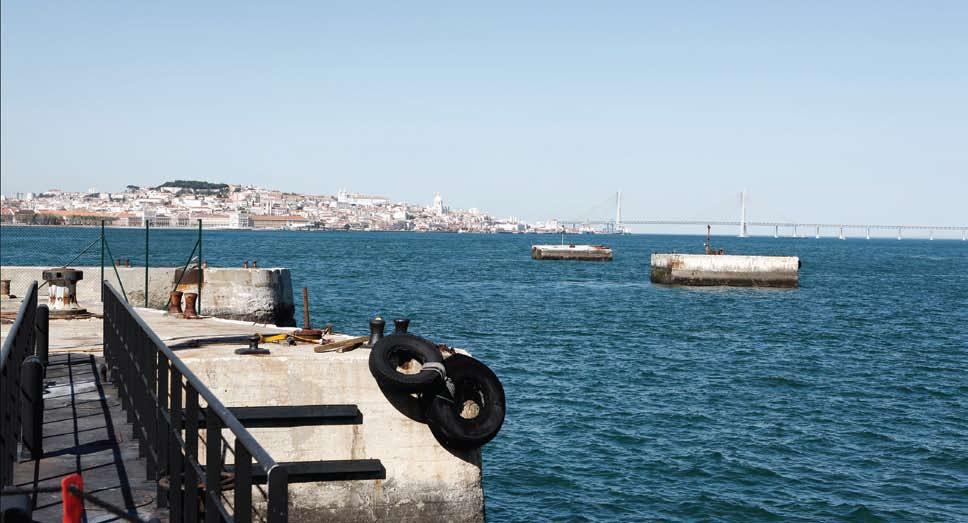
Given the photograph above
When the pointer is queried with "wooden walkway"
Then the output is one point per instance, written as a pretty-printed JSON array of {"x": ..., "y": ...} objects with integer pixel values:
[{"x": 85, "y": 431}]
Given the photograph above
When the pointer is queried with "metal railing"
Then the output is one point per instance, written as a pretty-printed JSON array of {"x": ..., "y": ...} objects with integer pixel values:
[
  {"x": 17, "y": 346},
  {"x": 172, "y": 411}
]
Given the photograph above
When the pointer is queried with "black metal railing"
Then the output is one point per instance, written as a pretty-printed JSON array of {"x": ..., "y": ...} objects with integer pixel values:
[
  {"x": 172, "y": 412},
  {"x": 17, "y": 346}
]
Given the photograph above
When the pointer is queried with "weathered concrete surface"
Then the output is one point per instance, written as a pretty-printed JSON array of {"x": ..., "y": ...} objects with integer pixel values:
[
  {"x": 256, "y": 295},
  {"x": 261, "y": 295},
  {"x": 708, "y": 270},
  {"x": 424, "y": 481},
  {"x": 571, "y": 252}
]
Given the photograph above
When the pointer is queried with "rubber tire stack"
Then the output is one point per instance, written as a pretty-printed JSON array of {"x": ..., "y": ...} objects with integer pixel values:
[{"x": 469, "y": 379}]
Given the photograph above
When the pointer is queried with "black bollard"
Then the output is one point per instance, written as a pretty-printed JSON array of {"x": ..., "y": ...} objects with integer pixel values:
[
  {"x": 376, "y": 331},
  {"x": 32, "y": 406},
  {"x": 42, "y": 328},
  {"x": 400, "y": 325}
]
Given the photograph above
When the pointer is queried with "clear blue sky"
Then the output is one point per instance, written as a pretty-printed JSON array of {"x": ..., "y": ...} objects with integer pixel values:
[{"x": 830, "y": 111}]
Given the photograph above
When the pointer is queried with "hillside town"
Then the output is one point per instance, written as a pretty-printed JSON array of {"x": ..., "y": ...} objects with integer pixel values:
[{"x": 226, "y": 206}]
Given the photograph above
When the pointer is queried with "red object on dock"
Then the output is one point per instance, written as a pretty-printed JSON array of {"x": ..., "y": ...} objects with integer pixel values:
[{"x": 73, "y": 503}]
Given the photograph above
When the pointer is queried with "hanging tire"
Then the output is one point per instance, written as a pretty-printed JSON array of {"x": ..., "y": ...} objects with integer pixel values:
[
  {"x": 471, "y": 414},
  {"x": 395, "y": 350}
]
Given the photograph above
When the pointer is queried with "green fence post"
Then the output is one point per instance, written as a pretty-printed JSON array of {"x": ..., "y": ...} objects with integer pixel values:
[
  {"x": 198, "y": 300},
  {"x": 146, "y": 262},
  {"x": 102, "y": 261}
]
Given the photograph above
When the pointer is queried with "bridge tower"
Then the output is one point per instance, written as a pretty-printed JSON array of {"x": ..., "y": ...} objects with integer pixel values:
[
  {"x": 742, "y": 215},
  {"x": 618, "y": 212}
]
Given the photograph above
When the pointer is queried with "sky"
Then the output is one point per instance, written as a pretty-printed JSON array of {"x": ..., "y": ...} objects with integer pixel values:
[{"x": 823, "y": 111}]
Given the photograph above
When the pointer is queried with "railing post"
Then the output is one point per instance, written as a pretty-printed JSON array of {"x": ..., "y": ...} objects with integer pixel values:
[
  {"x": 32, "y": 406},
  {"x": 191, "y": 455},
  {"x": 278, "y": 488},
  {"x": 176, "y": 460},
  {"x": 162, "y": 427},
  {"x": 213, "y": 465},
  {"x": 243, "y": 483},
  {"x": 42, "y": 339}
]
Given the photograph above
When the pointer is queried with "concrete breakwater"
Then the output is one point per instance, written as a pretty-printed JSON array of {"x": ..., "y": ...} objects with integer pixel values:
[
  {"x": 256, "y": 295},
  {"x": 730, "y": 270}
]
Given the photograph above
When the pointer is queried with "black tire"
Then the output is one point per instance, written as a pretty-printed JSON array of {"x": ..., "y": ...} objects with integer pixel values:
[
  {"x": 472, "y": 381},
  {"x": 395, "y": 349}
]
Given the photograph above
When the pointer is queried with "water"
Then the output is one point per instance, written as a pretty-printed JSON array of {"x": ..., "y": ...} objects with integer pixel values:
[{"x": 844, "y": 400}]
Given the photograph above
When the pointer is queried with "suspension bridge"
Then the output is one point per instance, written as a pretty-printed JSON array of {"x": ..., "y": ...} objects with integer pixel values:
[{"x": 779, "y": 228}]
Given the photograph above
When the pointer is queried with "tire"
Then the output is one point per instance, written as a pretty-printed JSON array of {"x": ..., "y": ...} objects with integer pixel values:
[
  {"x": 393, "y": 350},
  {"x": 472, "y": 381}
]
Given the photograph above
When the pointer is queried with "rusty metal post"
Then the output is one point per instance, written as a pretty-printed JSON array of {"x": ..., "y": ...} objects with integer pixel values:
[
  {"x": 306, "y": 324},
  {"x": 255, "y": 264},
  {"x": 190, "y": 304},
  {"x": 5, "y": 288},
  {"x": 175, "y": 302},
  {"x": 245, "y": 264}
]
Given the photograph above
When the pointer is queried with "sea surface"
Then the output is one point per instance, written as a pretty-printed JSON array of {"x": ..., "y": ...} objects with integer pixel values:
[{"x": 843, "y": 400}]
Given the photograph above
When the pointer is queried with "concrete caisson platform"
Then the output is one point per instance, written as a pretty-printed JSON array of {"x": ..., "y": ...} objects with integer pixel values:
[
  {"x": 571, "y": 252},
  {"x": 729, "y": 270}
]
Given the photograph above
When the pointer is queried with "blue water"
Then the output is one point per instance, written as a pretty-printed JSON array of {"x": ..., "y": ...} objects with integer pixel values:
[{"x": 843, "y": 400}]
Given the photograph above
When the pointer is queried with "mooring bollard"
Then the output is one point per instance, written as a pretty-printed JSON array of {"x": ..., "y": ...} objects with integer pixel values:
[
  {"x": 190, "y": 312},
  {"x": 32, "y": 411},
  {"x": 400, "y": 325},
  {"x": 245, "y": 264},
  {"x": 127, "y": 262},
  {"x": 376, "y": 331},
  {"x": 4, "y": 288},
  {"x": 174, "y": 302},
  {"x": 42, "y": 339},
  {"x": 255, "y": 264}
]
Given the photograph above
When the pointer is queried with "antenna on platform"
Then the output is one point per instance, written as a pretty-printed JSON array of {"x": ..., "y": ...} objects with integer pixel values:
[{"x": 742, "y": 216}]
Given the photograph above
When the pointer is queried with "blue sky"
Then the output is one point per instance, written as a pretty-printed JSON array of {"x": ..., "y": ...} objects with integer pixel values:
[{"x": 824, "y": 111}]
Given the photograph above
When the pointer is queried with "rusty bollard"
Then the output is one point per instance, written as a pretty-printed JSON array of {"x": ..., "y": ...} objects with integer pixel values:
[
  {"x": 5, "y": 288},
  {"x": 127, "y": 262},
  {"x": 400, "y": 325},
  {"x": 245, "y": 264},
  {"x": 174, "y": 302},
  {"x": 255, "y": 264},
  {"x": 190, "y": 312}
]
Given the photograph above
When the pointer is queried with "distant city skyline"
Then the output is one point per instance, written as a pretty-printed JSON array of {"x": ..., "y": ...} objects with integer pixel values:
[{"x": 832, "y": 113}]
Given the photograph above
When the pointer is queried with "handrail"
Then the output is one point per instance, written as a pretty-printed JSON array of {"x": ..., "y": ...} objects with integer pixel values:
[
  {"x": 150, "y": 384},
  {"x": 18, "y": 344},
  {"x": 228, "y": 419}
]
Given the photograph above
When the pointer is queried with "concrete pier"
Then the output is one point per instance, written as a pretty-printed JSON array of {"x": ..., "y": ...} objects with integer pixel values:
[
  {"x": 424, "y": 481},
  {"x": 571, "y": 252},
  {"x": 729, "y": 270}
]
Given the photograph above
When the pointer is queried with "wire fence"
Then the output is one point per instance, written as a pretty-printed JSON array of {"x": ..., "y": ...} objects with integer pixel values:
[{"x": 146, "y": 263}]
